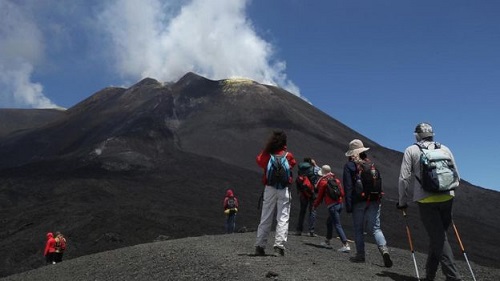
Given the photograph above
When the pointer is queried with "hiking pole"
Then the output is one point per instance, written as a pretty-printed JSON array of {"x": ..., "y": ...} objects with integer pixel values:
[
  {"x": 411, "y": 244},
  {"x": 463, "y": 249}
]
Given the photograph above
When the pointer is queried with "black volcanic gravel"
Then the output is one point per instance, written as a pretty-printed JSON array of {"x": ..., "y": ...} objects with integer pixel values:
[{"x": 229, "y": 257}]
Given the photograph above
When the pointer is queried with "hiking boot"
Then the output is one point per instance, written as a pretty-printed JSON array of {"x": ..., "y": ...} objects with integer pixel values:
[
  {"x": 279, "y": 251},
  {"x": 312, "y": 234},
  {"x": 345, "y": 248},
  {"x": 259, "y": 251},
  {"x": 357, "y": 259},
  {"x": 386, "y": 256},
  {"x": 326, "y": 244}
]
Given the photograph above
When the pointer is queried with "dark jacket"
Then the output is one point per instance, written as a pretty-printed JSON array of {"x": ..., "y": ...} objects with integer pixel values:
[{"x": 348, "y": 180}]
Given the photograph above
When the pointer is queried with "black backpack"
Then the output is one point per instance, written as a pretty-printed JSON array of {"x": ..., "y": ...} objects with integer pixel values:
[
  {"x": 368, "y": 184},
  {"x": 278, "y": 171},
  {"x": 231, "y": 203},
  {"x": 333, "y": 188}
]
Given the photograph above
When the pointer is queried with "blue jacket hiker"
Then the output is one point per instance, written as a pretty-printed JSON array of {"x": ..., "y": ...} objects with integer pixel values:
[{"x": 363, "y": 208}]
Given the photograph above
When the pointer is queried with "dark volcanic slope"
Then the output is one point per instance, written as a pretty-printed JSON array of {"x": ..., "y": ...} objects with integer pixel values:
[
  {"x": 130, "y": 165},
  {"x": 12, "y": 120},
  {"x": 227, "y": 257}
]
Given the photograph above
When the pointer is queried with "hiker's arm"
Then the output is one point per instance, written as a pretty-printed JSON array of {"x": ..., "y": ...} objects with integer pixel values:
[
  {"x": 405, "y": 175},
  {"x": 321, "y": 193},
  {"x": 291, "y": 160},
  {"x": 348, "y": 185},
  {"x": 263, "y": 159}
]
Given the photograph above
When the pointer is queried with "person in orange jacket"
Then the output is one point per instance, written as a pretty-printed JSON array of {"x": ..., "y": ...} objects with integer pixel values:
[{"x": 50, "y": 249}]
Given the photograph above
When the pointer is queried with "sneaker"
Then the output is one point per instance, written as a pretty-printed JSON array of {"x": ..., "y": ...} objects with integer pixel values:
[
  {"x": 312, "y": 234},
  {"x": 386, "y": 256},
  {"x": 387, "y": 259},
  {"x": 345, "y": 248},
  {"x": 326, "y": 244},
  {"x": 259, "y": 251},
  {"x": 357, "y": 259},
  {"x": 279, "y": 251}
]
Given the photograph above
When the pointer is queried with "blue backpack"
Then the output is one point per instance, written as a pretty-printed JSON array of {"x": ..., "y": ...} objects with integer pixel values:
[
  {"x": 438, "y": 174},
  {"x": 278, "y": 172}
]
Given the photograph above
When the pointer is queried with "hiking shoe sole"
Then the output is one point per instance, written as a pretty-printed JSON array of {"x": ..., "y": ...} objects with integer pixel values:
[
  {"x": 325, "y": 245},
  {"x": 279, "y": 251},
  {"x": 357, "y": 259},
  {"x": 387, "y": 260},
  {"x": 344, "y": 249},
  {"x": 259, "y": 251}
]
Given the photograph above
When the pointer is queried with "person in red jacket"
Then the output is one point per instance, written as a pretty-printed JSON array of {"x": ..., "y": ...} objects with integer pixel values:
[
  {"x": 50, "y": 248},
  {"x": 334, "y": 206},
  {"x": 275, "y": 196},
  {"x": 231, "y": 205}
]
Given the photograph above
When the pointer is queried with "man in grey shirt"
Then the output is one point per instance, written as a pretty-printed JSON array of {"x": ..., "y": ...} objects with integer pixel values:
[{"x": 435, "y": 208}]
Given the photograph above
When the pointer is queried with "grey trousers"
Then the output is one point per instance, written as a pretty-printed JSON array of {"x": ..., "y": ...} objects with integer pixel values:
[{"x": 437, "y": 218}]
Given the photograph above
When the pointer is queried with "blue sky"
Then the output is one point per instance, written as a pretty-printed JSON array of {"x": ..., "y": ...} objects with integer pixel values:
[{"x": 380, "y": 67}]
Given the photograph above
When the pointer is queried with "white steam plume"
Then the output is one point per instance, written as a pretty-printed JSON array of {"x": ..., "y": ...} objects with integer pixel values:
[
  {"x": 21, "y": 47},
  {"x": 212, "y": 38}
]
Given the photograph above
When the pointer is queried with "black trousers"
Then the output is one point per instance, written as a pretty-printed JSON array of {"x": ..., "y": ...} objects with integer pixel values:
[{"x": 437, "y": 218}]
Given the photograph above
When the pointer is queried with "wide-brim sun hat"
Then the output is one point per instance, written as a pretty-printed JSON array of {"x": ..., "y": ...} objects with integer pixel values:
[
  {"x": 356, "y": 147},
  {"x": 325, "y": 169}
]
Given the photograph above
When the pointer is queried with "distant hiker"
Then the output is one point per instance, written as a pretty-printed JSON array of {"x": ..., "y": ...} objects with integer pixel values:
[
  {"x": 331, "y": 191},
  {"x": 362, "y": 185},
  {"x": 277, "y": 164},
  {"x": 306, "y": 180},
  {"x": 60, "y": 247},
  {"x": 231, "y": 206},
  {"x": 435, "y": 208},
  {"x": 50, "y": 249}
]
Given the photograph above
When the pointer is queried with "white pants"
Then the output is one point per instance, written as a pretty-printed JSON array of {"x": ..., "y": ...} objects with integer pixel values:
[{"x": 279, "y": 200}]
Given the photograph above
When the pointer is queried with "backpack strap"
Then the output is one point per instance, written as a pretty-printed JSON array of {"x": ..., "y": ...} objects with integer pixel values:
[{"x": 421, "y": 146}]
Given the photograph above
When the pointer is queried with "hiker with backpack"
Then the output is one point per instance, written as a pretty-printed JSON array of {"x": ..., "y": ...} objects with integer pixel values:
[
  {"x": 306, "y": 180},
  {"x": 50, "y": 249},
  {"x": 363, "y": 187},
  {"x": 231, "y": 206},
  {"x": 331, "y": 191},
  {"x": 435, "y": 205},
  {"x": 277, "y": 164},
  {"x": 60, "y": 247}
]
